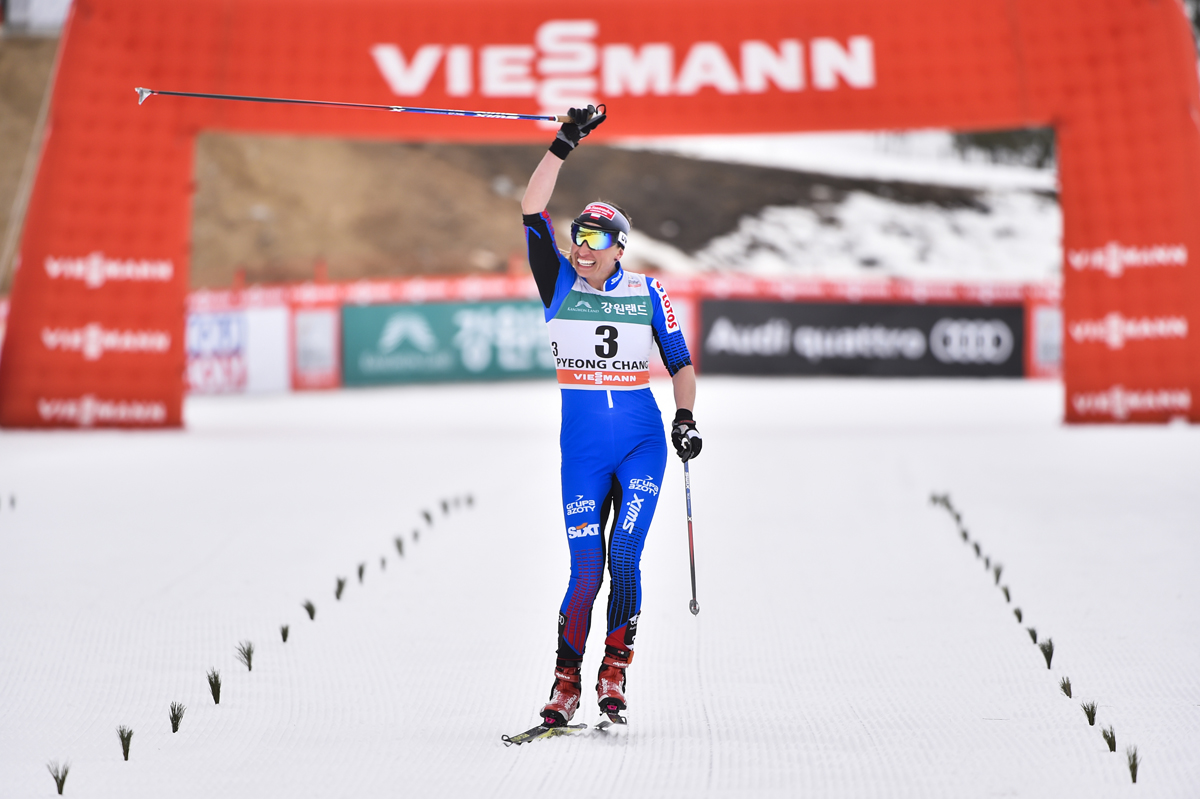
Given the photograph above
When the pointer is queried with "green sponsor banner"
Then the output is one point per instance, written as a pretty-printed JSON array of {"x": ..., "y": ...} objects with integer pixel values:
[
  {"x": 592, "y": 307},
  {"x": 444, "y": 341}
]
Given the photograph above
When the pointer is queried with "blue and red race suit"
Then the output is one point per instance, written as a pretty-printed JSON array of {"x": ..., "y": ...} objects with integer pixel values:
[{"x": 613, "y": 443}]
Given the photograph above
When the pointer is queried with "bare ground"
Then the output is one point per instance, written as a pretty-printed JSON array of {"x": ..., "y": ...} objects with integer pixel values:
[{"x": 25, "y": 65}]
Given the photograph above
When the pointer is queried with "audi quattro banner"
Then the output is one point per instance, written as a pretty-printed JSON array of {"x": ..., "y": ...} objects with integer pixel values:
[
  {"x": 783, "y": 338},
  {"x": 444, "y": 341}
]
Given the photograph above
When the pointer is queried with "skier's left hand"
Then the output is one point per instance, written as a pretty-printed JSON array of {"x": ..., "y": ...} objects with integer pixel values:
[
  {"x": 583, "y": 121},
  {"x": 684, "y": 435}
]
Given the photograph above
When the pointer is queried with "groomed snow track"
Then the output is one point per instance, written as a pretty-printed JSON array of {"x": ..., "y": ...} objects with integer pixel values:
[{"x": 849, "y": 643}]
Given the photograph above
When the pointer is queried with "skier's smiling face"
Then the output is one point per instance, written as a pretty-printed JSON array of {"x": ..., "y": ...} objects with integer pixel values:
[{"x": 595, "y": 266}]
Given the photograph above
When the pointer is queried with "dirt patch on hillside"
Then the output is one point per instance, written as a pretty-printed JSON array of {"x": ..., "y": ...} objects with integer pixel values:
[
  {"x": 25, "y": 66},
  {"x": 276, "y": 207}
]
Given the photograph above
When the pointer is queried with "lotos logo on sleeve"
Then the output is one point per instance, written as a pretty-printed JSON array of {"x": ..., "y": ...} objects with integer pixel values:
[{"x": 668, "y": 310}]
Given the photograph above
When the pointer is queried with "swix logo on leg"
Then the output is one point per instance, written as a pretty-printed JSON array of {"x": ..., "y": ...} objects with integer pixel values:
[
  {"x": 635, "y": 507},
  {"x": 583, "y": 530}
]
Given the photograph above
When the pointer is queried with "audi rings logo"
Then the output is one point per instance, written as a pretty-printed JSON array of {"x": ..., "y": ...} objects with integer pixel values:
[{"x": 971, "y": 341}]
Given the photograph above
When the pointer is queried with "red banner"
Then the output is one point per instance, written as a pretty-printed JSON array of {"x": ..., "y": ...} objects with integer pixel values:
[{"x": 97, "y": 305}]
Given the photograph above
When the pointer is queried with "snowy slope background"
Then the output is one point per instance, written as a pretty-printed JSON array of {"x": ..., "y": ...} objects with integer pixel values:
[
  {"x": 1011, "y": 231},
  {"x": 849, "y": 643}
]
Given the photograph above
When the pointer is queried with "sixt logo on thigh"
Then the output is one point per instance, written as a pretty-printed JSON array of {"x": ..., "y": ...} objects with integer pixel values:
[
  {"x": 635, "y": 507},
  {"x": 647, "y": 485},
  {"x": 580, "y": 505},
  {"x": 583, "y": 530}
]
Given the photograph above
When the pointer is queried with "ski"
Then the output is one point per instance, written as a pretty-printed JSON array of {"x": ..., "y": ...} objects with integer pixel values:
[
  {"x": 613, "y": 720},
  {"x": 541, "y": 731}
]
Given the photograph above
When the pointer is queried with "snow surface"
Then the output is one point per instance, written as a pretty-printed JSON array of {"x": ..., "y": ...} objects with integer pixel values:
[
  {"x": 849, "y": 644},
  {"x": 1017, "y": 240},
  {"x": 1016, "y": 236},
  {"x": 925, "y": 156}
]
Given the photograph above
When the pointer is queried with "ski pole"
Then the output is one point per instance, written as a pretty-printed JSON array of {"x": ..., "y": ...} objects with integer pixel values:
[
  {"x": 694, "y": 607},
  {"x": 144, "y": 93}
]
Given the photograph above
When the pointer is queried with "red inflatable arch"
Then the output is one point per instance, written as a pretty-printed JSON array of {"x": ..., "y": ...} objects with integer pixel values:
[{"x": 96, "y": 329}]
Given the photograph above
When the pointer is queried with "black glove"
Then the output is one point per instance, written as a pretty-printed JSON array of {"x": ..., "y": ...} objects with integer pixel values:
[
  {"x": 583, "y": 121},
  {"x": 684, "y": 435}
]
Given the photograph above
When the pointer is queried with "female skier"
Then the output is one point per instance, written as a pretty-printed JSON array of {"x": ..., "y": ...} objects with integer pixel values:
[{"x": 603, "y": 323}]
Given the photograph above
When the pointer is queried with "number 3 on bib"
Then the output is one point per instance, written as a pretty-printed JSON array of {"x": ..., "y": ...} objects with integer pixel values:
[{"x": 607, "y": 348}]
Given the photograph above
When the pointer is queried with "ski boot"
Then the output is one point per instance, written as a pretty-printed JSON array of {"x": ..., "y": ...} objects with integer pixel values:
[
  {"x": 610, "y": 683},
  {"x": 564, "y": 694}
]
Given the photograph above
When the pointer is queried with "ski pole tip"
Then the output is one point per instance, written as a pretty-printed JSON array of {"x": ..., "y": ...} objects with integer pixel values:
[
  {"x": 694, "y": 607},
  {"x": 143, "y": 94}
]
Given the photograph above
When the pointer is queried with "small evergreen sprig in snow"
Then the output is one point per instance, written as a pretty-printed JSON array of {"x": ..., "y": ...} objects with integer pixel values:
[
  {"x": 126, "y": 735},
  {"x": 1110, "y": 738},
  {"x": 177, "y": 711},
  {"x": 1089, "y": 710},
  {"x": 1131, "y": 755},
  {"x": 245, "y": 654},
  {"x": 214, "y": 685},
  {"x": 1047, "y": 648},
  {"x": 1065, "y": 685},
  {"x": 311, "y": 608},
  {"x": 59, "y": 773}
]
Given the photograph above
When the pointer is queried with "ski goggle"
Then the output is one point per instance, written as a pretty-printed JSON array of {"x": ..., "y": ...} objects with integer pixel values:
[{"x": 596, "y": 239}]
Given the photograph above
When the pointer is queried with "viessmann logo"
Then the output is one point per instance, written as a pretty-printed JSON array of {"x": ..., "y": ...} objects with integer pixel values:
[
  {"x": 566, "y": 66},
  {"x": 1119, "y": 402},
  {"x": 96, "y": 269},
  {"x": 1114, "y": 258},
  {"x": 93, "y": 340},
  {"x": 87, "y": 410},
  {"x": 1115, "y": 330}
]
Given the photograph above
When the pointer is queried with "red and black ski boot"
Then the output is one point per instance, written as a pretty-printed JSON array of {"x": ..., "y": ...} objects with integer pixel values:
[
  {"x": 610, "y": 683},
  {"x": 564, "y": 694}
]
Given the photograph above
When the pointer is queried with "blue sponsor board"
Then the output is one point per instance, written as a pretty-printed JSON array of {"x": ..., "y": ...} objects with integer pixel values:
[{"x": 384, "y": 344}]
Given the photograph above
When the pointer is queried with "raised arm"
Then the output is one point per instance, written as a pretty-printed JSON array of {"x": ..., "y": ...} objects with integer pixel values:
[{"x": 541, "y": 184}]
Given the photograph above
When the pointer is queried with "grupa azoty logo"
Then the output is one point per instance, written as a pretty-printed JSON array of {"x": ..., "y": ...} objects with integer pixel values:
[
  {"x": 644, "y": 484},
  {"x": 580, "y": 505}
]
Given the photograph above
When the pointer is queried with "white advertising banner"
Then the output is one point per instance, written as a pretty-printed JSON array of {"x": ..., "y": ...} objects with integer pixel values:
[{"x": 238, "y": 351}]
